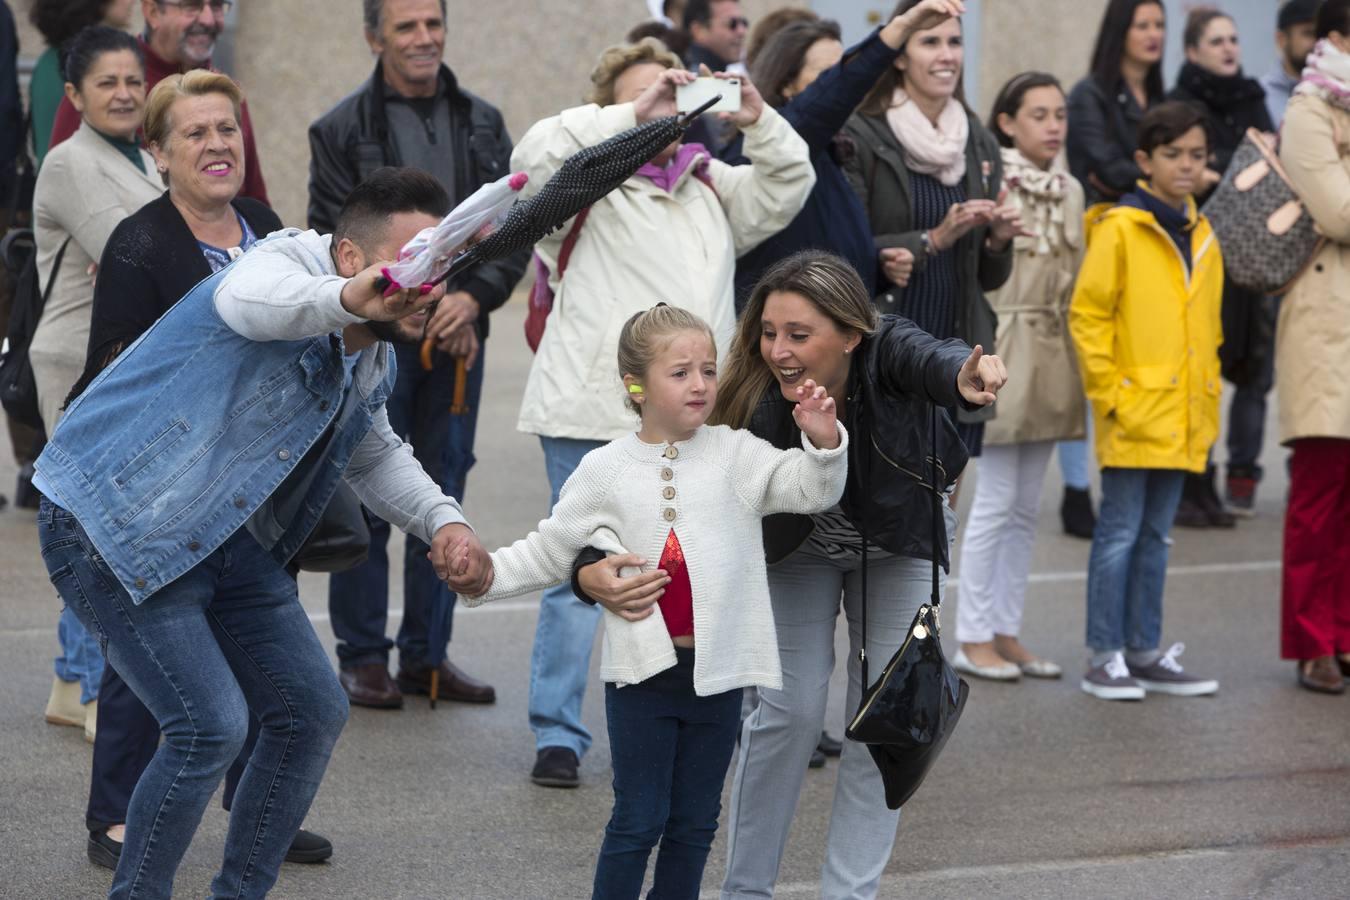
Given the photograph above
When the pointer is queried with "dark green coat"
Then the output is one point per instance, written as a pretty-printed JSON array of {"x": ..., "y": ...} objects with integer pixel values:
[{"x": 878, "y": 174}]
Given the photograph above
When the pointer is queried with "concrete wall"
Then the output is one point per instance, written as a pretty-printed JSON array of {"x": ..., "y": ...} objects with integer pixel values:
[{"x": 295, "y": 58}]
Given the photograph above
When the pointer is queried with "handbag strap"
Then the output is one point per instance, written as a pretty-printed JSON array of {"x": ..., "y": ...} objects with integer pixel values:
[
  {"x": 56, "y": 267},
  {"x": 865, "y": 461}
]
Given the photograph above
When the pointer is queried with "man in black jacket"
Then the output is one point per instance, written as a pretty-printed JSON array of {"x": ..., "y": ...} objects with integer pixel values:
[{"x": 412, "y": 112}]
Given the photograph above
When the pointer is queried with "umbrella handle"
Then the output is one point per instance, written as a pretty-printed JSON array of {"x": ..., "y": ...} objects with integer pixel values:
[
  {"x": 457, "y": 405},
  {"x": 687, "y": 119}
]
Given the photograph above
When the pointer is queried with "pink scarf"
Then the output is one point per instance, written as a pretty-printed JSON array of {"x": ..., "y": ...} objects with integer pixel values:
[
  {"x": 664, "y": 177},
  {"x": 1327, "y": 75},
  {"x": 938, "y": 151}
]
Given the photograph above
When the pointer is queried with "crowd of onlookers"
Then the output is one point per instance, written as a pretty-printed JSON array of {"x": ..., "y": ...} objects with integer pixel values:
[{"x": 856, "y": 226}]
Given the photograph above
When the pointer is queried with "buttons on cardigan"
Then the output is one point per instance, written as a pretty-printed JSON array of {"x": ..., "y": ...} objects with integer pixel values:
[
  {"x": 670, "y": 453},
  {"x": 668, "y": 514},
  {"x": 283, "y": 455},
  {"x": 668, "y": 493},
  {"x": 667, "y": 473}
]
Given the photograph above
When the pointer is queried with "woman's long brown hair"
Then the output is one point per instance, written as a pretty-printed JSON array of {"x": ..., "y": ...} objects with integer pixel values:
[
  {"x": 829, "y": 283},
  {"x": 878, "y": 99}
]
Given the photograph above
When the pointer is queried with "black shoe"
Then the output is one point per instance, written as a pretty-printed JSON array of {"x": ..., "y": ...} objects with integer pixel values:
[
  {"x": 1075, "y": 511},
  {"x": 25, "y": 495},
  {"x": 308, "y": 848},
  {"x": 103, "y": 850},
  {"x": 1208, "y": 495},
  {"x": 1190, "y": 514},
  {"x": 556, "y": 767},
  {"x": 829, "y": 746},
  {"x": 817, "y": 759}
]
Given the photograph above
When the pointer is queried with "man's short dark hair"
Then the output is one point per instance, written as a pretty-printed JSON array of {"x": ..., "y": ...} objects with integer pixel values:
[
  {"x": 372, "y": 11},
  {"x": 388, "y": 191},
  {"x": 699, "y": 11},
  {"x": 1166, "y": 122},
  {"x": 1297, "y": 12}
]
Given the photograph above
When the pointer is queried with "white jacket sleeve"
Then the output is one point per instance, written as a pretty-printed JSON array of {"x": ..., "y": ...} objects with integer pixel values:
[
  {"x": 544, "y": 556},
  {"x": 394, "y": 486},
  {"x": 763, "y": 198},
  {"x": 803, "y": 481},
  {"x": 284, "y": 289}
]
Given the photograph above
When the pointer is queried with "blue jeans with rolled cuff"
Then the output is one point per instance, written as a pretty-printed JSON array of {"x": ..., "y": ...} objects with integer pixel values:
[
  {"x": 227, "y": 639},
  {"x": 670, "y": 750}
]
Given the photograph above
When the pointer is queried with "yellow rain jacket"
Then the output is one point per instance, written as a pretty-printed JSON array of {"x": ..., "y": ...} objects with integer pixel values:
[{"x": 1147, "y": 334}]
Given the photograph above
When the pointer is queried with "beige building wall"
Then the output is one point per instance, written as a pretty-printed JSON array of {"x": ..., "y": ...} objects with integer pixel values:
[
  {"x": 296, "y": 58},
  {"x": 1054, "y": 36}
]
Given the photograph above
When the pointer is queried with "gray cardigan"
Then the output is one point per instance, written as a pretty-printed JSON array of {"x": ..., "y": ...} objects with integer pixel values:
[{"x": 878, "y": 174}]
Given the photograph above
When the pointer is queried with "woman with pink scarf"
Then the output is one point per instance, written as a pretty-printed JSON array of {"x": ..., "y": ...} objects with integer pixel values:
[
  {"x": 930, "y": 177},
  {"x": 1311, "y": 343}
]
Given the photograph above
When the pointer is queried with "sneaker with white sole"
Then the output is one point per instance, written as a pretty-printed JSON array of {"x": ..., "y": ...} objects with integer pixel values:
[
  {"x": 1166, "y": 676},
  {"x": 1112, "y": 681}
]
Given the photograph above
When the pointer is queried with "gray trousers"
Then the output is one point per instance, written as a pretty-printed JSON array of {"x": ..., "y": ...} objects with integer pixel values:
[{"x": 778, "y": 737}]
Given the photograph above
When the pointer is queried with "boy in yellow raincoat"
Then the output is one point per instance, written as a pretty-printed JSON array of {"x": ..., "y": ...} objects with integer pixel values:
[{"x": 1145, "y": 323}]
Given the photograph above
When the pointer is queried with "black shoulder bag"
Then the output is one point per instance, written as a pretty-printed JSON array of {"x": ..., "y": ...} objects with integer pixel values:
[
  {"x": 18, "y": 386},
  {"x": 906, "y": 718}
]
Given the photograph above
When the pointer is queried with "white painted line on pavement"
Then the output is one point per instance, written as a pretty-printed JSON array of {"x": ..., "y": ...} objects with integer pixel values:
[
  {"x": 963, "y": 873},
  {"x": 511, "y": 606}
]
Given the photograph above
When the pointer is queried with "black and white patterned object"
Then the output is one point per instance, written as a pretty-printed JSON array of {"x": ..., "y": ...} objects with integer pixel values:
[{"x": 584, "y": 178}]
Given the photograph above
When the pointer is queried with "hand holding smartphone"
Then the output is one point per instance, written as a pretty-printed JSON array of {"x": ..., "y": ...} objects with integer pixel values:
[{"x": 693, "y": 95}]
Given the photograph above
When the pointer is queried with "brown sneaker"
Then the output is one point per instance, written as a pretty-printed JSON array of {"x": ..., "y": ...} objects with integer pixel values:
[
  {"x": 370, "y": 685},
  {"x": 1321, "y": 675}
]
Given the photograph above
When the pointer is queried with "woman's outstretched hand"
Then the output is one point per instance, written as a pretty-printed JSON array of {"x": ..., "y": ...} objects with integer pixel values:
[
  {"x": 981, "y": 377},
  {"x": 815, "y": 415}
]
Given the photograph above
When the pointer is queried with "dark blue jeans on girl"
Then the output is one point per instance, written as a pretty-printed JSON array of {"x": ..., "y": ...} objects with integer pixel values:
[{"x": 670, "y": 750}]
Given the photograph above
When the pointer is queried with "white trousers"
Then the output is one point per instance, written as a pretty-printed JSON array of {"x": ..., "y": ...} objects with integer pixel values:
[{"x": 996, "y": 548}]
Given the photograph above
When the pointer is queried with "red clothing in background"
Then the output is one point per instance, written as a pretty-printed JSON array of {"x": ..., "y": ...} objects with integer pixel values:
[
  {"x": 156, "y": 70},
  {"x": 677, "y": 603},
  {"x": 1316, "y": 589}
]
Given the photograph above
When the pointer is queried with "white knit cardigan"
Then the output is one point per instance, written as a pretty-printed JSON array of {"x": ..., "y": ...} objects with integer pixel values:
[{"x": 713, "y": 490}]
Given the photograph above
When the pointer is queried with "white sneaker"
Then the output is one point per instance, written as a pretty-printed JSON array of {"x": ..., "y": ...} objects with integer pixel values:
[
  {"x": 1004, "y": 672},
  {"x": 1112, "y": 681}
]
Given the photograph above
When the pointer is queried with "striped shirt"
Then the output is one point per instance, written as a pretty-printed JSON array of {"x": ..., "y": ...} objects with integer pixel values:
[
  {"x": 835, "y": 536},
  {"x": 931, "y": 297}
]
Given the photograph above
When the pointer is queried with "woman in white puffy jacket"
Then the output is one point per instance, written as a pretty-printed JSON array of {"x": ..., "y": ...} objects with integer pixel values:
[{"x": 671, "y": 233}]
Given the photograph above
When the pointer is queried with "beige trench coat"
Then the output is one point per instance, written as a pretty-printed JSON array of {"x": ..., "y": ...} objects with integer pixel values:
[
  {"x": 1043, "y": 399},
  {"x": 1313, "y": 339}
]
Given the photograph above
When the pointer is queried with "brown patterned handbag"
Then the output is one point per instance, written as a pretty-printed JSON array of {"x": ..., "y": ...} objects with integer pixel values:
[{"x": 1265, "y": 232}]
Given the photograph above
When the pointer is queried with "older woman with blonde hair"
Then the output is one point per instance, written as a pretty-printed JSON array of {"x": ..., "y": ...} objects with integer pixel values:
[
  {"x": 670, "y": 233},
  {"x": 154, "y": 257}
]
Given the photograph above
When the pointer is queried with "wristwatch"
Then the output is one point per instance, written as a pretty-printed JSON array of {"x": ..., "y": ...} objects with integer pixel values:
[{"x": 926, "y": 241}]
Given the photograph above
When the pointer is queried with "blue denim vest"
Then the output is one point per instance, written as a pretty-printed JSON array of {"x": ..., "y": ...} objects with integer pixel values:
[{"x": 176, "y": 444}]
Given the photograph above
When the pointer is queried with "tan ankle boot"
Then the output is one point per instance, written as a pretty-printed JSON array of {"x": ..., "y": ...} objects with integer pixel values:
[
  {"x": 90, "y": 720},
  {"x": 63, "y": 706}
]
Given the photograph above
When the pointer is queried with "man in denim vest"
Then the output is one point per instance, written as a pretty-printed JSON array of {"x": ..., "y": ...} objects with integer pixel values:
[{"x": 181, "y": 482}]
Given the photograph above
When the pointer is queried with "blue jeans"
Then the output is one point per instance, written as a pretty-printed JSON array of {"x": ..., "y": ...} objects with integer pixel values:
[
  {"x": 358, "y": 599},
  {"x": 80, "y": 659},
  {"x": 226, "y": 639},
  {"x": 670, "y": 750},
  {"x": 1127, "y": 567},
  {"x": 561, "y": 662}
]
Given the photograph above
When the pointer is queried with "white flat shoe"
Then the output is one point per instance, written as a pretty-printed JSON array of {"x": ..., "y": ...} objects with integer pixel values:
[
  {"x": 1005, "y": 672},
  {"x": 1041, "y": 668}
]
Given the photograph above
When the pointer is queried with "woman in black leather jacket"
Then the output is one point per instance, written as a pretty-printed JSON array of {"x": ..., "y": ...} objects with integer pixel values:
[
  {"x": 1106, "y": 106},
  {"x": 810, "y": 317}
]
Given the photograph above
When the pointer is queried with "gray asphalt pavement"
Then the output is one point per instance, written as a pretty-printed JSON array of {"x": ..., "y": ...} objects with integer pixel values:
[{"x": 1043, "y": 792}]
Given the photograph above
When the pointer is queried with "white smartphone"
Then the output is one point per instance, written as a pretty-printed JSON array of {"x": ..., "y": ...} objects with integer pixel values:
[{"x": 701, "y": 90}]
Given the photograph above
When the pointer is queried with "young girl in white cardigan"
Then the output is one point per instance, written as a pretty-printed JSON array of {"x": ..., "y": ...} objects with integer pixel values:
[{"x": 690, "y": 495}]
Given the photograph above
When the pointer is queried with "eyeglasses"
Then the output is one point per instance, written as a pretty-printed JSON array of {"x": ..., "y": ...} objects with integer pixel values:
[
  {"x": 736, "y": 23},
  {"x": 194, "y": 7}
]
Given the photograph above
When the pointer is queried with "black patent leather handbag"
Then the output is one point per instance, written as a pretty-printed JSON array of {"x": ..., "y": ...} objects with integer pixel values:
[{"x": 907, "y": 716}]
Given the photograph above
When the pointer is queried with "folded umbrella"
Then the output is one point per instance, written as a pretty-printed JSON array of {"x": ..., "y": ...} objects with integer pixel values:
[{"x": 584, "y": 178}]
